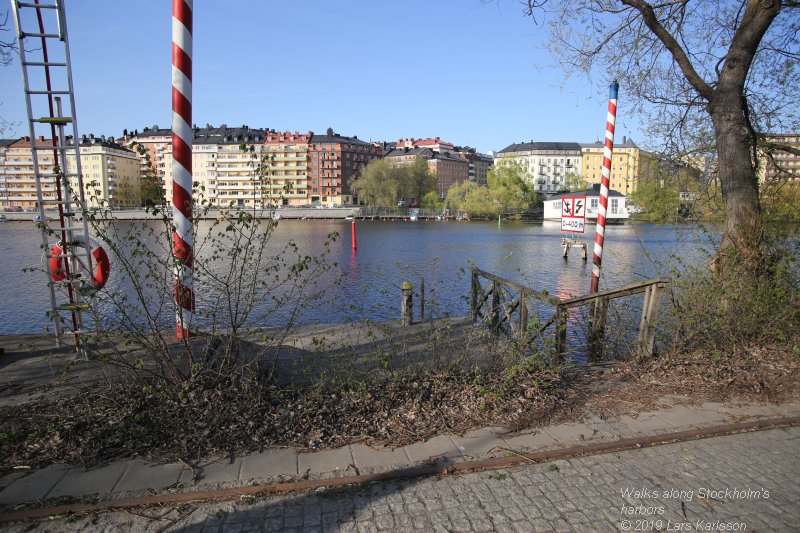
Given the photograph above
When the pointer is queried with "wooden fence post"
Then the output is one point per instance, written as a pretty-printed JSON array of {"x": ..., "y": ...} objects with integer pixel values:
[
  {"x": 523, "y": 316},
  {"x": 473, "y": 296},
  {"x": 422, "y": 299},
  {"x": 494, "y": 321},
  {"x": 561, "y": 330},
  {"x": 647, "y": 325},
  {"x": 597, "y": 326}
]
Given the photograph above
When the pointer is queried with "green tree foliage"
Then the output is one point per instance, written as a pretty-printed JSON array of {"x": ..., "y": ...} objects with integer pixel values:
[
  {"x": 574, "y": 182},
  {"x": 382, "y": 182},
  {"x": 480, "y": 203},
  {"x": 509, "y": 187},
  {"x": 431, "y": 201},
  {"x": 781, "y": 201},
  {"x": 659, "y": 203},
  {"x": 379, "y": 184},
  {"x": 416, "y": 180},
  {"x": 457, "y": 195}
]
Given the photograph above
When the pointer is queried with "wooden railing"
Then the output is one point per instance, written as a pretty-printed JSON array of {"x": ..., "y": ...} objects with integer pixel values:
[{"x": 505, "y": 307}]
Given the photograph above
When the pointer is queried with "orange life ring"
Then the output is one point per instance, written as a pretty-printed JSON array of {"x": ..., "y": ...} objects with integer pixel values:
[{"x": 102, "y": 268}]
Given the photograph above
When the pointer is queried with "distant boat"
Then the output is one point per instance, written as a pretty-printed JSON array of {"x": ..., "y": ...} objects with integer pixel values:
[
  {"x": 3, "y": 218},
  {"x": 413, "y": 216},
  {"x": 276, "y": 216},
  {"x": 38, "y": 218}
]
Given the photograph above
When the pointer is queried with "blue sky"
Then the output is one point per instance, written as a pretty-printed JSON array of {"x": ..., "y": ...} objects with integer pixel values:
[{"x": 471, "y": 73}]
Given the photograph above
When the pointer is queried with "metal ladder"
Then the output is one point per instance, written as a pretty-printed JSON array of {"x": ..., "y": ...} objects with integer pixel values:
[{"x": 50, "y": 72}]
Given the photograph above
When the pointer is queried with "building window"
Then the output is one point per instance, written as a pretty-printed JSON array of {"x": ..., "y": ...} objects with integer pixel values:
[{"x": 593, "y": 203}]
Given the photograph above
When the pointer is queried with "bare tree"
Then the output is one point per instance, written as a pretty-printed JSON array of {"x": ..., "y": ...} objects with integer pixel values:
[{"x": 707, "y": 73}]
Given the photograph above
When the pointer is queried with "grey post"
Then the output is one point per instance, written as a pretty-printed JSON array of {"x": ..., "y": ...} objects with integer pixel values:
[{"x": 407, "y": 304}]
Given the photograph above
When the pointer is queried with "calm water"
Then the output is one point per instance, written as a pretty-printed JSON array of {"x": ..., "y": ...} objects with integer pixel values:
[{"x": 388, "y": 253}]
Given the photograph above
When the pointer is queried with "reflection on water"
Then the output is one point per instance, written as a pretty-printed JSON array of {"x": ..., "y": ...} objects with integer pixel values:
[{"x": 366, "y": 283}]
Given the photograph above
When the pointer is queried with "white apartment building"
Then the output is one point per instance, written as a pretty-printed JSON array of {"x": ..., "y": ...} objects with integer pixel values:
[{"x": 547, "y": 164}]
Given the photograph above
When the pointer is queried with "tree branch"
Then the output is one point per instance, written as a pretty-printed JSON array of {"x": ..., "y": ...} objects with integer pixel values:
[{"x": 678, "y": 54}]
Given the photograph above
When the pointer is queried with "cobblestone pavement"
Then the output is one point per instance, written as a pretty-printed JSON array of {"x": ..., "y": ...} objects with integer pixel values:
[{"x": 745, "y": 482}]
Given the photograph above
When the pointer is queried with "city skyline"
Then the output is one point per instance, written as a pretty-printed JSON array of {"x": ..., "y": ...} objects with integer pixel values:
[{"x": 468, "y": 72}]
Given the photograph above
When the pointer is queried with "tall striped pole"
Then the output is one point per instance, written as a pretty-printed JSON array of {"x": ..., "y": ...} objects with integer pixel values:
[
  {"x": 182, "y": 238},
  {"x": 604, "y": 182}
]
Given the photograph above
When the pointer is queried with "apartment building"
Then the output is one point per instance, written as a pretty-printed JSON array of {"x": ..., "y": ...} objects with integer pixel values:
[
  {"x": 546, "y": 164},
  {"x": 110, "y": 173},
  {"x": 479, "y": 164},
  {"x": 435, "y": 144},
  {"x": 154, "y": 141},
  {"x": 4, "y": 144},
  {"x": 223, "y": 173},
  {"x": 449, "y": 170},
  {"x": 778, "y": 165},
  {"x": 287, "y": 159},
  {"x": 627, "y": 163},
  {"x": 335, "y": 161},
  {"x": 448, "y": 167}
]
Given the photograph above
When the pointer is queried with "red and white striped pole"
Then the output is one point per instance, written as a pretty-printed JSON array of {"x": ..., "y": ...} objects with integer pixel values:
[
  {"x": 182, "y": 238},
  {"x": 604, "y": 182}
]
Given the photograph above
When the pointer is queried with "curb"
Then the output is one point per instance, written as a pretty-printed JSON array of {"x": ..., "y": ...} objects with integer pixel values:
[{"x": 406, "y": 473}]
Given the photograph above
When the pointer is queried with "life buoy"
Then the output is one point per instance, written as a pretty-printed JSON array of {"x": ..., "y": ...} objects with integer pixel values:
[{"x": 102, "y": 266}]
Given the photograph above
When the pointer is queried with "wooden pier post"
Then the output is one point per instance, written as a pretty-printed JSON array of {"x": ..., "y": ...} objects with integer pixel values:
[{"x": 407, "y": 303}]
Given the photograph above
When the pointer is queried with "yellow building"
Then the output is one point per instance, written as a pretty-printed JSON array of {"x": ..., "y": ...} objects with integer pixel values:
[
  {"x": 287, "y": 163},
  {"x": 111, "y": 169},
  {"x": 110, "y": 173},
  {"x": 626, "y": 164}
]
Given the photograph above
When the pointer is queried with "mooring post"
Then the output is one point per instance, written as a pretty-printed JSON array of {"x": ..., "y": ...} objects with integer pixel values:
[{"x": 407, "y": 303}]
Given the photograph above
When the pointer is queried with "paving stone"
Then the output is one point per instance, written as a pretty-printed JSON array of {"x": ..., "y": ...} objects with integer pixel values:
[
  {"x": 324, "y": 461},
  {"x": 684, "y": 417},
  {"x": 219, "y": 472},
  {"x": 270, "y": 463},
  {"x": 575, "y": 434},
  {"x": 369, "y": 459},
  {"x": 531, "y": 442},
  {"x": 480, "y": 443},
  {"x": 647, "y": 423},
  {"x": 441, "y": 447},
  {"x": 6, "y": 480},
  {"x": 140, "y": 475},
  {"x": 78, "y": 482},
  {"x": 34, "y": 486}
]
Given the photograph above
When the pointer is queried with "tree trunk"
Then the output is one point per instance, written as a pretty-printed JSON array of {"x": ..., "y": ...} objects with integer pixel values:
[{"x": 742, "y": 237}]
